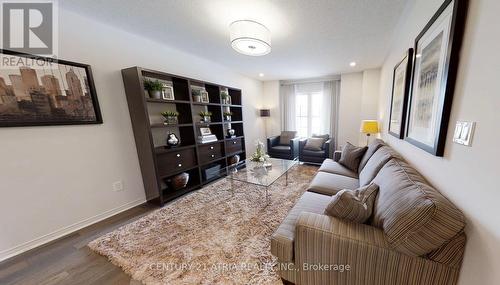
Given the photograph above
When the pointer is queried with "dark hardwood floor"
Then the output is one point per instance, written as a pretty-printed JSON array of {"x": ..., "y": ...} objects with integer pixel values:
[{"x": 68, "y": 260}]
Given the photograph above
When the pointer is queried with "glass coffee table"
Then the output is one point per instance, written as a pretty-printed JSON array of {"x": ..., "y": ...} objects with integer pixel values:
[{"x": 256, "y": 173}]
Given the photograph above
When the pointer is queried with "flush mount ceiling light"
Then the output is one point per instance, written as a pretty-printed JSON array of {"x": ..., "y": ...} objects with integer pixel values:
[{"x": 250, "y": 38}]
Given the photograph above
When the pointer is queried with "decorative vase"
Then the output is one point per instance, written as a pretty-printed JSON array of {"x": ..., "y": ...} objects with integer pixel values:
[
  {"x": 230, "y": 133},
  {"x": 197, "y": 98},
  {"x": 155, "y": 94},
  {"x": 234, "y": 159},
  {"x": 228, "y": 118},
  {"x": 178, "y": 182},
  {"x": 207, "y": 119},
  {"x": 172, "y": 140},
  {"x": 171, "y": 120}
]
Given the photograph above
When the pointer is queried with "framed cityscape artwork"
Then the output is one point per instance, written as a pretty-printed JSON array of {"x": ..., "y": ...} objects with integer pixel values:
[
  {"x": 38, "y": 91},
  {"x": 400, "y": 90},
  {"x": 437, "y": 50}
]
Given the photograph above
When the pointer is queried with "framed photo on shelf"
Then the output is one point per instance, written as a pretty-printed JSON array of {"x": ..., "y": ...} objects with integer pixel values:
[
  {"x": 399, "y": 99},
  {"x": 205, "y": 131},
  {"x": 437, "y": 50},
  {"x": 40, "y": 91},
  {"x": 168, "y": 92},
  {"x": 204, "y": 96}
]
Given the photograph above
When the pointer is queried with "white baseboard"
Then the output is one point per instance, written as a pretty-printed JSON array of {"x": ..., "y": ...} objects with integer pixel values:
[{"x": 11, "y": 252}]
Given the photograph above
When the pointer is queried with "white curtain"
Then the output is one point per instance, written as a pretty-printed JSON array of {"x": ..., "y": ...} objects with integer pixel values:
[
  {"x": 323, "y": 98},
  {"x": 287, "y": 102},
  {"x": 331, "y": 94}
]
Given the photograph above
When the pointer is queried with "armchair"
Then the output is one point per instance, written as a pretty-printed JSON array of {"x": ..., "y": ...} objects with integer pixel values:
[
  {"x": 277, "y": 149},
  {"x": 314, "y": 156}
]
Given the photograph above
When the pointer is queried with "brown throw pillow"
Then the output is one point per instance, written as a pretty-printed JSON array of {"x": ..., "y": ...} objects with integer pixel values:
[
  {"x": 353, "y": 205},
  {"x": 315, "y": 144},
  {"x": 351, "y": 156}
]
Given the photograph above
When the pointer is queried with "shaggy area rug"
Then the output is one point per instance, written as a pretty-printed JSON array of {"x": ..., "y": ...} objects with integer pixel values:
[{"x": 212, "y": 236}]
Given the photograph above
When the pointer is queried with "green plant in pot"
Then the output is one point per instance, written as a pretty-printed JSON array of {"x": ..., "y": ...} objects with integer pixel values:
[
  {"x": 171, "y": 117},
  {"x": 154, "y": 88},
  {"x": 227, "y": 116},
  {"x": 205, "y": 116},
  {"x": 226, "y": 99},
  {"x": 196, "y": 95}
]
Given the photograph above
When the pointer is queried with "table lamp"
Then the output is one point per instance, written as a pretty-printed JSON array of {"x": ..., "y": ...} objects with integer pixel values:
[{"x": 369, "y": 127}]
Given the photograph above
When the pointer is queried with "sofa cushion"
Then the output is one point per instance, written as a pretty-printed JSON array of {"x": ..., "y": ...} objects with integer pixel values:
[
  {"x": 314, "y": 144},
  {"x": 286, "y": 136},
  {"x": 353, "y": 205},
  {"x": 283, "y": 237},
  {"x": 331, "y": 166},
  {"x": 372, "y": 148},
  {"x": 351, "y": 156},
  {"x": 416, "y": 218},
  {"x": 329, "y": 184},
  {"x": 320, "y": 153},
  {"x": 375, "y": 163},
  {"x": 281, "y": 149}
]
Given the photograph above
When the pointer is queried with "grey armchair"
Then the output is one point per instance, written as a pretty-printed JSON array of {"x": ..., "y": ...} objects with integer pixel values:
[
  {"x": 314, "y": 156},
  {"x": 277, "y": 149}
]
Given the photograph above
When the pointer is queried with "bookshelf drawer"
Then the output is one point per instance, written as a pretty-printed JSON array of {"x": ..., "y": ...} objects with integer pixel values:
[
  {"x": 176, "y": 161},
  {"x": 233, "y": 146},
  {"x": 210, "y": 152}
]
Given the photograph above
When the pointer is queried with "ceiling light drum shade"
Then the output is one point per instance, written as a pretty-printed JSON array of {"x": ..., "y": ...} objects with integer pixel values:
[
  {"x": 265, "y": 113},
  {"x": 369, "y": 127},
  {"x": 250, "y": 38}
]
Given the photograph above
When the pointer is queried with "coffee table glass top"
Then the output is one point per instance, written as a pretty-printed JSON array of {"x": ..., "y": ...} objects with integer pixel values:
[{"x": 255, "y": 173}]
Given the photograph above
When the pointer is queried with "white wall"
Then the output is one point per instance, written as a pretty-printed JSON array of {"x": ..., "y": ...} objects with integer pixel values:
[
  {"x": 466, "y": 175},
  {"x": 57, "y": 179},
  {"x": 359, "y": 96},
  {"x": 272, "y": 102}
]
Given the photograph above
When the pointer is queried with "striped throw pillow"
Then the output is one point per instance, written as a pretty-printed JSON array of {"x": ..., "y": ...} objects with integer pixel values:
[
  {"x": 351, "y": 156},
  {"x": 353, "y": 205}
]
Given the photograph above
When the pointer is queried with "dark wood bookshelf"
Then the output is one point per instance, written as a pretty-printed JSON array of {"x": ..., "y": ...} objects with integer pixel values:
[{"x": 158, "y": 162}]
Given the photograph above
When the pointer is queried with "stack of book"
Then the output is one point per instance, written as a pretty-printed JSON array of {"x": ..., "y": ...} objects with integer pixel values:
[{"x": 207, "y": 138}]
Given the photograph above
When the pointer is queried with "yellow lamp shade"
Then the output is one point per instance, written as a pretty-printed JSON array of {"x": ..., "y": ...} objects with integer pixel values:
[{"x": 369, "y": 127}]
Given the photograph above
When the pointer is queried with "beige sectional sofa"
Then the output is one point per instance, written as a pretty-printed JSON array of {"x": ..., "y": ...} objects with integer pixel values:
[{"x": 415, "y": 234}]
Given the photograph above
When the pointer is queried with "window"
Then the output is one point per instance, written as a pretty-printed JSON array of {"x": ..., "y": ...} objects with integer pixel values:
[{"x": 308, "y": 107}]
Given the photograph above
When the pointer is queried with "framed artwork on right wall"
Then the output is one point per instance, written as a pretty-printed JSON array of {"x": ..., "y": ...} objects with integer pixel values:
[
  {"x": 437, "y": 50},
  {"x": 399, "y": 99}
]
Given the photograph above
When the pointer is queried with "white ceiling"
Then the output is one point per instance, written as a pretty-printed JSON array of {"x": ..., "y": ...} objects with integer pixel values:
[{"x": 310, "y": 38}]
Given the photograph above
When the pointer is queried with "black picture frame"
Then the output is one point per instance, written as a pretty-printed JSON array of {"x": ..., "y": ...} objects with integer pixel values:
[
  {"x": 405, "y": 64},
  {"x": 60, "y": 119},
  {"x": 447, "y": 82}
]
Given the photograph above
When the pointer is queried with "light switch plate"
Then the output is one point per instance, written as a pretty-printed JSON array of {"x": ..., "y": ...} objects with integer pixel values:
[{"x": 464, "y": 131}]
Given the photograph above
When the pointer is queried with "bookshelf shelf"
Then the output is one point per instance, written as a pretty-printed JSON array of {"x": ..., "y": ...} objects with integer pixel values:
[{"x": 158, "y": 163}]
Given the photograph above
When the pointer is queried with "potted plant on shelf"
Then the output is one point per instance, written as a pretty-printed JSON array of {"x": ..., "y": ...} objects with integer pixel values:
[
  {"x": 171, "y": 117},
  {"x": 196, "y": 95},
  {"x": 154, "y": 88},
  {"x": 205, "y": 116},
  {"x": 226, "y": 99},
  {"x": 227, "y": 116}
]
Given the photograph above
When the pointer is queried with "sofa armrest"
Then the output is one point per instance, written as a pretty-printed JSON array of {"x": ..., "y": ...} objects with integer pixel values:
[
  {"x": 362, "y": 250},
  {"x": 294, "y": 146},
  {"x": 336, "y": 155},
  {"x": 302, "y": 144},
  {"x": 326, "y": 147},
  {"x": 272, "y": 141}
]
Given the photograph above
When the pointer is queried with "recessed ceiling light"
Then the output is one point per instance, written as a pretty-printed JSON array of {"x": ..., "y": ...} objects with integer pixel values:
[
  {"x": 261, "y": 74},
  {"x": 352, "y": 64},
  {"x": 418, "y": 55},
  {"x": 250, "y": 38}
]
